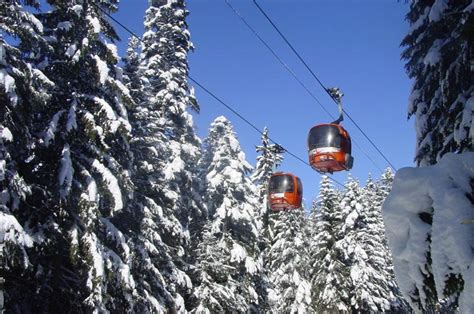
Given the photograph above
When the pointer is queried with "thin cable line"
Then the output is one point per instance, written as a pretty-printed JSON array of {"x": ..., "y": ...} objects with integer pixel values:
[
  {"x": 319, "y": 81},
  {"x": 280, "y": 60},
  {"x": 215, "y": 97},
  {"x": 254, "y": 127}
]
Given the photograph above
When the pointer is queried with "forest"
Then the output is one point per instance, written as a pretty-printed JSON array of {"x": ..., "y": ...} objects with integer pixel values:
[{"x": 111, "y": 202}]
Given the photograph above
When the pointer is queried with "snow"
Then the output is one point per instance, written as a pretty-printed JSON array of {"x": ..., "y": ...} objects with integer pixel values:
[
  {"x": 437, "y": 10},
  {"x": 66, "y": 25},
  {"x": 52, "y": 127},
  {"x": 12, "y": 232},
  {"x": 250, "y": 265},
  {"x": 71, "y": 119},
  {"x": 3, "y": 165},
  {"x": 237, "y": 253},
  {"x": 105, "y": 107},
  {"x": 95, "y": 23},
  {"x": 419, "y": 22},
  {"x": 113, "y": 49},
  {"x": 469, "y": 8},
  {"x": 43, "y": 78},
  {"x": 97, "y": 271},
  {"x": 102, "y": 68},
  {"x": 111, "y": 184},
  {"x": 77, "y": 9},
  {"x": 466, "y": 126},
  {"x": 71, "y": 50},
  {"x": 9, "y": 86},
  {"x": 439, "y": 190},
  {"x": 434, "y": 56},
  {"x": 115, "y": 234},
  {"x": 66, "y": 172},
  {"x": 5, "y": 134}
]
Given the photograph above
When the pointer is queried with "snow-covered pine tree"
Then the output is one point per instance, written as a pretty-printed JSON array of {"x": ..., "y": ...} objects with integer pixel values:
[
  {"x": 83, "y": 160},
  {"x": 364, "y": 250},
  {"x": 380, "y": 190},
  {"x": 150, "y": 255},
  {"x": 166, "y": 152},
  {"x": 374, "y": 243},
  {"x": 23, "y": 93},
  {"x": 269, "y": 158},
  {"x": 328, "y": 273},
  {"x": 228, "y": 260},
  {"x": 286, "y": 262},
  {"x": 439, "y": 51}
]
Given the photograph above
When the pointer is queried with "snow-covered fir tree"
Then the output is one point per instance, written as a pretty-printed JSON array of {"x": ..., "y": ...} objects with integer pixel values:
[
  {"x": 286, "y": 262},
  {"x": 166, "y": 152},
  {"x": 363, "y": 249},
  {"x": 328, "y": 273},
  {"x": 228, "y": 260},
  {"x": 83, "y": 160},
  {"x": 349, "y": 254},
  {"x": 269, "y": 158},
  {"x": 439, "y": 54},
  {"x": 23, "y": 93},
  {"x": 380, "y": 191}
]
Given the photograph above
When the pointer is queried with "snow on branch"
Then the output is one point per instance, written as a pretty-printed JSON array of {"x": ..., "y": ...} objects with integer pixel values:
[{"x": 424, "y": 217}]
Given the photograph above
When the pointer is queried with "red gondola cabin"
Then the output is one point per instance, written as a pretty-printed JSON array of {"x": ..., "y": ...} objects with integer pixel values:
[
  {"x": 329, "y": 147},
  {"x": 285, "y": 191}
]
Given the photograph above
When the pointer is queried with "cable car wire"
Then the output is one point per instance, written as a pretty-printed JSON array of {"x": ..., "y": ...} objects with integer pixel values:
[
  {"x": 278, "y": 58},
  {"x": 214, "y": 96},
  {"x": 319, "y": 81},
  {"x": 293, "y": 74},
  {"x": 254, "y": 127}
]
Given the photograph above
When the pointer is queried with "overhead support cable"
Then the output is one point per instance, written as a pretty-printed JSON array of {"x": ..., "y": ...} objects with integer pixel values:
[
  {"x": 254, "y": 127},
  {"x": 293, "y": 74},
  {"x": 214, "y": 96},
  {"x": 319, "y": 81}
]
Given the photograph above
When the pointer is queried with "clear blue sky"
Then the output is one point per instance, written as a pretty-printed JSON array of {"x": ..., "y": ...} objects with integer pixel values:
[{"x": 351, "y": 44}]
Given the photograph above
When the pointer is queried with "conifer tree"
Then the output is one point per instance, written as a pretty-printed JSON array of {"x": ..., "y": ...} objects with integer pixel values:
[
  {"x": 380, "y": 190},
  {"x": 24, "y": 92},
  {"x": 166, "y": 152},
  {"x": 365, "y": 248},
  {"x": 439, "y": 54},
  {"x": 329, "y": 273},
  {"x": 269, "y": 159},
  {"x": 83, "y": 160},
  {"x": 227, "y": 261},
  {"x": 287, "y": 263}
]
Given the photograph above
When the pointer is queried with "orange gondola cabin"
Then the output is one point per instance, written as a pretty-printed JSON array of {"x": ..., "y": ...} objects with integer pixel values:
[
  {"x": 285, "y": 192},
  {"x": 329, "y": 148}
]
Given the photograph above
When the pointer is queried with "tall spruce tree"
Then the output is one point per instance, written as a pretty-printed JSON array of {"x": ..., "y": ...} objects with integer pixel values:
[
  {"x": 329, "y": 273},
  {"x": 379, "y": 192},
  {"x": 364, "y": 249},
  {"x": 23, "y": 94},
  {"x": 166, "y": 153},
  {"x": 269, "y": 158},
  {"x": 439, "y": 51},
  {"x": 286, "y": 262},
  {"x": 83, "y": 160},
  {"x": 228, "y": 259}
]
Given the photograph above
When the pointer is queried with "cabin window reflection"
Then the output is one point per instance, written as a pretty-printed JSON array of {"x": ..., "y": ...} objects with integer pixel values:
[
  {"x": 281, "y": 184},
  {"x": 324, "y": 136}
]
